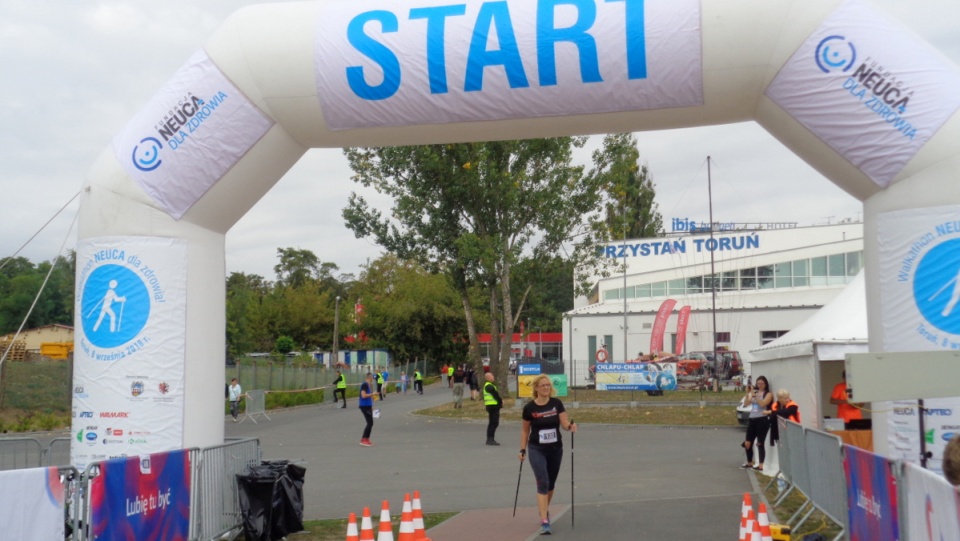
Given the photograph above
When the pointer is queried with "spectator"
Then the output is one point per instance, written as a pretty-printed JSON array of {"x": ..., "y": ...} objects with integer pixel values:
[
  {"x": 758, "y": 423},
  {"x": 846, "y": 410},
  {"x": 235, "y": 393},
  {"x": 782, "y": 407},
  {"x": 951, "y": 461}
]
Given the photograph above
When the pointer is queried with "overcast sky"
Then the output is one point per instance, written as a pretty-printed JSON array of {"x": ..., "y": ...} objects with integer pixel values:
[{"x": 74, "y": 74}]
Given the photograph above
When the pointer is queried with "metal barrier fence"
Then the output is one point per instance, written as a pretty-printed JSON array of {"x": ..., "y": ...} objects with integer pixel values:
[
  {"x": 217, "y": 508},
  {"x": 812, "y": 462},
  {"x": 214, "y": 503},
  {"x": 20, "y": 453},
  {"x": 255, "y": 404}
]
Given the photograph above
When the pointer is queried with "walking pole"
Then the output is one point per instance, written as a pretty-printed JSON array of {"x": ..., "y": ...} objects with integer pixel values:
[
  {"x": 573, "y": 512},
  {"x": 523, "y": 453}
]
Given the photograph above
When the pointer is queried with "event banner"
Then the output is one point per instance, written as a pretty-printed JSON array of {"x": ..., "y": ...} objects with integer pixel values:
[
  {"x": 31, "y": 505},
  {"x": 636, "y": 376},
  {"x": 919, "y": 294},
  {"x": 130, "y": 315},
  {"x": 525, "y": 384},
  {"x": 682, "y": 320},
  {"x": 660, "y": 325},
  {"x": 392, "y": 63},
  {"x": 144, "y": 498},
  {"x": 933, "y": 508},
  {"x": 871, "y": 496},
  {"x": 189, "y": 135},
  {"x": 868, "y": 88}
]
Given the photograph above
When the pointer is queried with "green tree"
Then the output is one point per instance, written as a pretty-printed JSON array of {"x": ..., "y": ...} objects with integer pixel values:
[
  {"x": 630, "y": 211},
  {"x": 284, "y": 345},
  {"x": 473, "y": 211},
  {"x": 413, "y": 313}
]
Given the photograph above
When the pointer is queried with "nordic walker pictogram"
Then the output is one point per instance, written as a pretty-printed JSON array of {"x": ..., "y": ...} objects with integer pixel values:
[{"x": 106, "y": 308}]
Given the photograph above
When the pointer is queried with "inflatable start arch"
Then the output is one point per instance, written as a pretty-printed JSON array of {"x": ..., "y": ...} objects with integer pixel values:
[{"x": 853, "y": 93}]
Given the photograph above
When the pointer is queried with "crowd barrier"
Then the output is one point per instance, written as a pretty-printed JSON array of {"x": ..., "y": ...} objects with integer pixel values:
[
  {"x": 21, "y": 453},
  {"x": 214, "y": 509},
  {"x": 256, "y": 404},
  {"x": 869, "y": 496}
]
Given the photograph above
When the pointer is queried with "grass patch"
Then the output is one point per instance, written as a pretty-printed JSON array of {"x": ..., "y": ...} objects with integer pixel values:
[
  {"x": 816, "y": 523},
  {"x": 336, "y": 529},
  {"x": 648, "y": 411}
]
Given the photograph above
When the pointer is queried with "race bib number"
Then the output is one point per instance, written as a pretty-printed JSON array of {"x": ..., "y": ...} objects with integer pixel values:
[{"x": 548, "y": 436}]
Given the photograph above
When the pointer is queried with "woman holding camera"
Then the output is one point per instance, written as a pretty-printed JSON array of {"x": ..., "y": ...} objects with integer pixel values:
[{"x": 758, "y": 425}]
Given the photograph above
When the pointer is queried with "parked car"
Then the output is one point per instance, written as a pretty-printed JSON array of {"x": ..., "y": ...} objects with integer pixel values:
[
  {"x": 728, "y": 363},
  {"x": 743, "y": 411}
]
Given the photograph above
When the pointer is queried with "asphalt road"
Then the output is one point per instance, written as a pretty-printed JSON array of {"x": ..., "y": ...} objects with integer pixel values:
[{"x": 631, "y": 482}]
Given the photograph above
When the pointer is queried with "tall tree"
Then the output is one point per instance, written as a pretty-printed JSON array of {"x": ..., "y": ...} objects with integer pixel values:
[
  {"x": 630, "y": 211},
  {"x": 474, "y": 210}
]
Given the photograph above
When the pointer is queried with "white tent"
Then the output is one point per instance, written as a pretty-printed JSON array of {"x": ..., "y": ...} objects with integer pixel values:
[{"x": 808, "y": 360}]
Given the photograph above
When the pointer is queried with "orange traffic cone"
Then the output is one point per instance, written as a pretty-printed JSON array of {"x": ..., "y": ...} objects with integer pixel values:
[
  {"x": 406, "y": 520},
  {"x": 419, "y": 534},
  {"x": 755, "y": 533},
  {"x": 763, "y": 521},
  {"x": 746, "y": 529},
  {"x": 386, "y": 527},
  {"x": 366, "y": 526},
  {"x": 352, "y": 534},
  {"x": 744, "y": 507}
]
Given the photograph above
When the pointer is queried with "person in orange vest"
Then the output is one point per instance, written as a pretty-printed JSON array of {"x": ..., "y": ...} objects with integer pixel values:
[
  {"x": 846, "y": 410},
  {"x": 782, "y": 407}
]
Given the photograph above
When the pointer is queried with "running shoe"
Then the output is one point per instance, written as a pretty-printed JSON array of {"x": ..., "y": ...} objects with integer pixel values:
[
  {"x": 366, "y": 442},
  {"x": 545, "y": 528}
]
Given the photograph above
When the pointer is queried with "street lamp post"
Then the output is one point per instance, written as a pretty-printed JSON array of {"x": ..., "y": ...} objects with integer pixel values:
[
  {"x": 336, "y": 330},
  {"x": 539, "y": 343}
]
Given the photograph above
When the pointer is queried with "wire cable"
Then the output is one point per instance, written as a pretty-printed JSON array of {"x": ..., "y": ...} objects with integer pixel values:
[
  {"x": 8, "y": 259},
  {"x": 53, "y": 265}
]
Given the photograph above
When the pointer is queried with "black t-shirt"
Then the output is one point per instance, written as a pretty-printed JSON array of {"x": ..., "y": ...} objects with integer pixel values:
[{"x": 544, "y": 422}]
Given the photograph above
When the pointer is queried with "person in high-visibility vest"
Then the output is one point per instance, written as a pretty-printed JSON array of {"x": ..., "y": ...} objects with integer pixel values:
[
  {"x": 493, "y": 403},
  {"x": 418, "y": 382},
  {"x": 341, "y": 383},
  {"x": 782, "y": 407},
  {"x": 450, "y": 370},
  {"x": 379, "y": 377}
]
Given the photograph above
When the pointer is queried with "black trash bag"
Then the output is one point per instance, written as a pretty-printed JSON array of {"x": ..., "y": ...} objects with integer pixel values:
[{"x": 271, "y": 500}]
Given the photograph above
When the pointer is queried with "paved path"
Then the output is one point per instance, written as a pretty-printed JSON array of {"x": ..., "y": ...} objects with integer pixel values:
[{"x": 631, "y": 482}]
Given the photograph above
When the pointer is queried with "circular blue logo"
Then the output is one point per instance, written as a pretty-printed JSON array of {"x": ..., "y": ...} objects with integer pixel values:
[
  {"x": 936, "y": 286},
  {"x": 148, "y": 157},
  {"x": 116, "y": 306},
  {"x": 835, "y": 53}
]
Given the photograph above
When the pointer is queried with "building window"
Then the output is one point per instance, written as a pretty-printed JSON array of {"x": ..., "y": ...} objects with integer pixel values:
[
  {"x": 723, "y": 337},
  {"x": 769, "y": 336}
]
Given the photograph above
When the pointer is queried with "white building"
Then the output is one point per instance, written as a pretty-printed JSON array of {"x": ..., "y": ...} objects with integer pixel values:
[{"x": 769, "y": 278}]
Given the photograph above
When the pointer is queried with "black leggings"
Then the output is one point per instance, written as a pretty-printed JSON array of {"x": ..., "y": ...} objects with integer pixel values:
[
  {"x": 493, "y": 420},
  {"x": 368, "y": 415},
  {"x": 545, "y": 463},
  {"x": 757, "y": 430},
  {"x": 343, "y": 395}
]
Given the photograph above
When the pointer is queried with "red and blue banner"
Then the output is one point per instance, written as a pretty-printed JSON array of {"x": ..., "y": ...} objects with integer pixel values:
[
  {"x": 143, "y": 498},
  {"x": 871, "y": 496}
]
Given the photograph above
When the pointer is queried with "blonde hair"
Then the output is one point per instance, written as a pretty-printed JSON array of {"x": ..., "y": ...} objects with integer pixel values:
[
  {"x": 538, "y": 379},
  {"x": 951, "y": 461},
  {"x": 783, "y": 394}
]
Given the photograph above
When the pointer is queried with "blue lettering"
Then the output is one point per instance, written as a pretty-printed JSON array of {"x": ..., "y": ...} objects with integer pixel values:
[
  {"x": 376, "y": 51},
  {"x": 753, "y": 241},
  {"x": 611, "y": 251},
  {"x": 724, "y": 243},
  {"x": 436, "y": 30},
  {"x": 636, "y": 39},
  {"x": 633, "y": 248},
  {"x": 548, "y": 36},
  {"x": 498, "y": 14},
  {"x": 738, "y": 243},
  {"x": 644, "y": 249},
  {"x": 679, "y": 247}
]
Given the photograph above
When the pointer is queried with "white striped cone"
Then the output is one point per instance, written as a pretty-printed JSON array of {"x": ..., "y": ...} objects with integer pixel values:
[
  {"x": 764, "y": 522},
  {"x": 755, "y": 534},
  {"x": 406, "y": 521},
  {"x": 386, "y": 526},
  {"x": 419, "y": 533},
  {"x": 352, "y": 534},
  {"x": 748, "y": 526},
  {"x": 366, "y": 526}
]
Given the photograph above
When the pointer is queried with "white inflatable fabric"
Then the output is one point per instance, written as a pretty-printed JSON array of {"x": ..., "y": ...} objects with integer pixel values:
[{"x": 858, "y": 97}]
